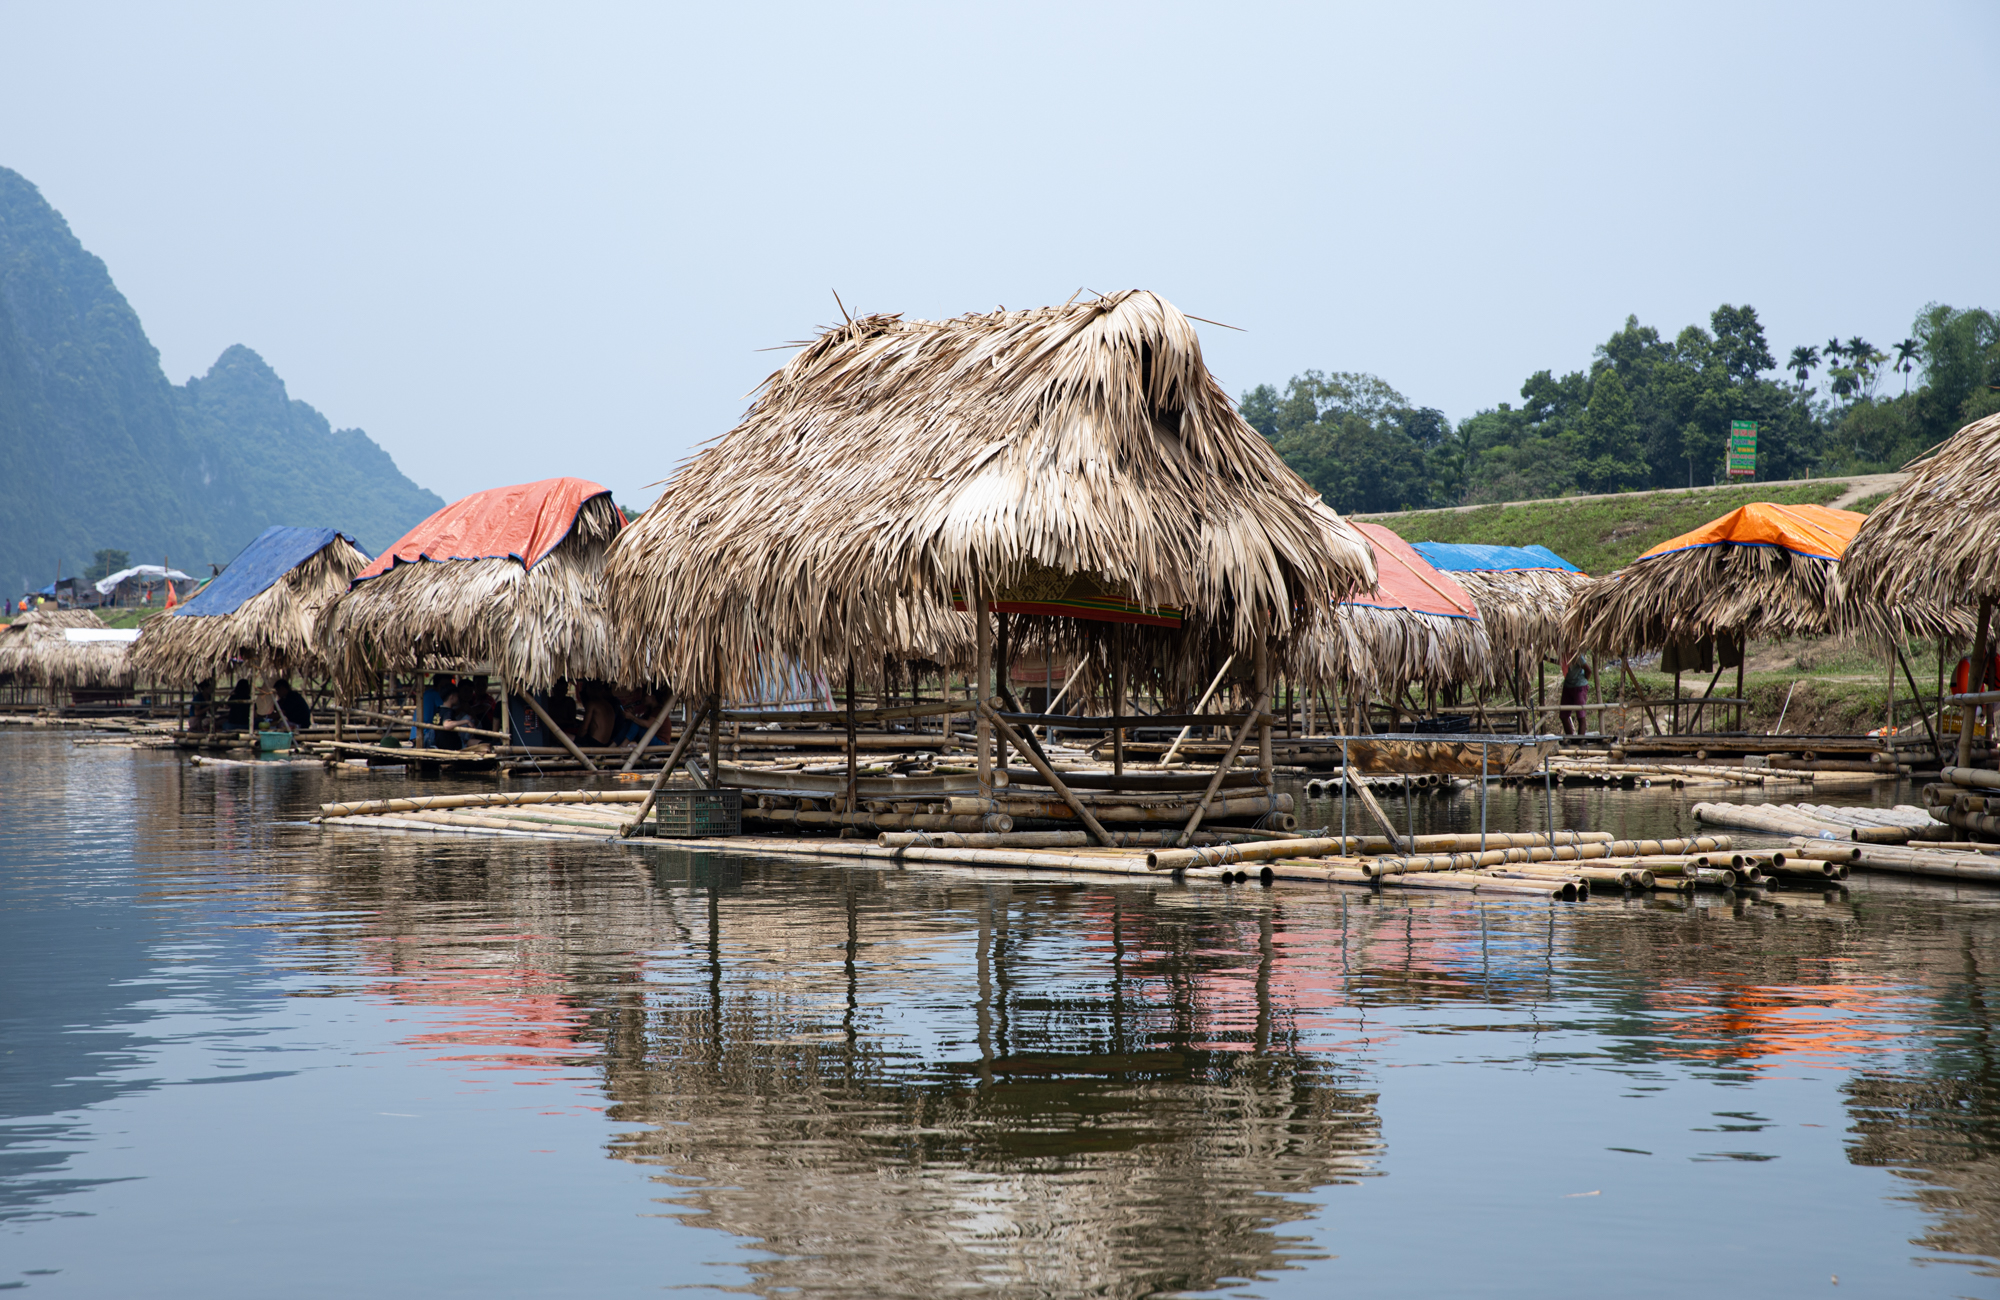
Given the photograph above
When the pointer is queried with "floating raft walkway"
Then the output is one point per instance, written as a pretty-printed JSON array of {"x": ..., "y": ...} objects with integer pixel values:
[{"x": 1565, "y": 865}]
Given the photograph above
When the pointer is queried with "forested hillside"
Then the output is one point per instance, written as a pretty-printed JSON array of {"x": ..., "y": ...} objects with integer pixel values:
[
  {"x": 99, "y": 451},
  {"x": 1649, "y": 411}
]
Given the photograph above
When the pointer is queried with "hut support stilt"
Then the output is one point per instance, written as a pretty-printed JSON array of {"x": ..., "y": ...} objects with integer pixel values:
[
  {"x": 560, "y": 734},
  {"x": 1250, "y": 723},
  {"x": 983, "y": 661},
  {"x": 1936, "y": 745},
  {"x": 1262, "y": 707},
  {"x": 651, "y": 732},
  {"x": 853, "y": 776},
  {"x": 680, "y": 751},
  {"x": 1975, "y": 680},
  {"x": 1117, "y": 706}
]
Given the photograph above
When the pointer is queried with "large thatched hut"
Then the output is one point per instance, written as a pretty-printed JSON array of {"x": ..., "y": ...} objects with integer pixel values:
[
  {"x": 1416, "y": 627},
  {"x": 260, "y": 616},
  {"x": 1522, "y": 593},
  {"x": 1077, "y": 468},
  {"x": 1932, "y": 550},
  {"x": 508, "y": 581}
]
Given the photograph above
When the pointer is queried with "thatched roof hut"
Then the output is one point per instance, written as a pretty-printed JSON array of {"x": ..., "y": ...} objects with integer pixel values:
[
  {"x": 1522, "y": 593},
  {"x": 65, "y": 649},
  {"x": 1935, "y": 543},
  {"x": 509, "y": 580},
  {"x": 260, "y": 616},
  {"x": 1416, "y": 626},
  {"x": 1078, "y": 461},
  {"x": 1763, "y": 570}
]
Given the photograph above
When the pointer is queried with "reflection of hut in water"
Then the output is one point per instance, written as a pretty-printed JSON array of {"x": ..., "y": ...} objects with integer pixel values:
[
  {"x": 1937, "y": 1132},
  {"x": 1102, "y": 1119}
]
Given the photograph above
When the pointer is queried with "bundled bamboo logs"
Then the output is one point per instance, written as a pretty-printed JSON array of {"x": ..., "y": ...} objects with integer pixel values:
[
  {"x": 1907, "y": 861},
  {"x": 1967, "y": 798}
]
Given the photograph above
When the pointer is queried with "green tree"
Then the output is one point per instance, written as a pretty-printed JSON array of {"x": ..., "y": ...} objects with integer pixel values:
[
  {"x": 1357, "y": 440},
  {"x": 1610, "y": 447},
  {"x": 105, "y": 563}
]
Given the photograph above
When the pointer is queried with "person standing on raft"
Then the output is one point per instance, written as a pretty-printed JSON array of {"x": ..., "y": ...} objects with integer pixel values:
[{"x": 1575, "y": 691}]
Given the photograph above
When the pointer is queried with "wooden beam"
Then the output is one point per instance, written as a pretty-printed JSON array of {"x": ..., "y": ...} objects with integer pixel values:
[
  {"x": 1215, "y": 782},
  {"x": 630, "y": 828},
  {"x": 651, "y": 732},
  {"x": 559, "y": 733},
  {"x": 1048, "y": 774}
]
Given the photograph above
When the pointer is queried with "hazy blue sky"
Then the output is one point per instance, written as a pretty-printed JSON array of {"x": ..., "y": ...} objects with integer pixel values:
[{"x": 517, "y": 242}]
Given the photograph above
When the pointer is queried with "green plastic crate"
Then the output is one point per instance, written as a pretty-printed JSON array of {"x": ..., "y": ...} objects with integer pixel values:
[{"x": 698, "y": 814}]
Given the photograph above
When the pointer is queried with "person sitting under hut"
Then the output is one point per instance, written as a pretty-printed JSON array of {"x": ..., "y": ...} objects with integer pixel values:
[
  {"x": 297, "y": 710},
  {"x": 562, "y": 709},
  {"x": 600, "y": 715},
  {"x": 238, "y": 717},
  {"x": 1575, "y": 691},
  {"x": 264, "y": 713},
  {"x": 428, "y": 705},
  {"x": 445, "y": 722}
]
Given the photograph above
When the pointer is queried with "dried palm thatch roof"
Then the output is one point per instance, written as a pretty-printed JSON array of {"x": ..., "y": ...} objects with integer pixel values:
[
  {"x": 1522, "y": 593},
  {"x": 1416, "y": 626},
  {"x": 511, "y": 579},
  {"x": 1762, "y": 570},
  {"x": 35, "y": 650},
  {"x": 1937, "y": 538},
  {"x": 260, "y": 616},
  {"x": 894, "y": 462}
]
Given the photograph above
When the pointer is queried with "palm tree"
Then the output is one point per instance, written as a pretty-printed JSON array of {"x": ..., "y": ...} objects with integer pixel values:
[
  {"x": 1802, "y": 363},
  {"x": 1833, "y": 349},
  {"x": 1906, "y": 358}
]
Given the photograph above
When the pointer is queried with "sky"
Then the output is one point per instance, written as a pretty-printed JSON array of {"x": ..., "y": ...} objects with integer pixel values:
[{"x": 513, "y": 242}]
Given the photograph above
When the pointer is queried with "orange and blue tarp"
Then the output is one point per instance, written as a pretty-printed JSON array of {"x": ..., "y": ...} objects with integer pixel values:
[
  {"x": 1409, "y": 581},
  {"x": 1818, "y": 532},
  {"x": 524, "y": 522}
]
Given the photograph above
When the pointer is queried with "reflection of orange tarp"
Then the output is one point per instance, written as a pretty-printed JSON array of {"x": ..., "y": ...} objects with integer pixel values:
[
  {"x": 1808, "y": 530},
  {"x": 524, "y": 522},
  {"x": 1758, "y": 1028},
  {"x": 1408, "y": 580},
  {"x": 506, "y": 1017}
]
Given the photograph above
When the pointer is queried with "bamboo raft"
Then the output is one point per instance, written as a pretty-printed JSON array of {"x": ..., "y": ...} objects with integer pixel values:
[{"x": 1565, "y": 865}]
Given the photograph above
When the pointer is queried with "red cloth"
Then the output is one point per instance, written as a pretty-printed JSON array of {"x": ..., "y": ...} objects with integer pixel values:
[
  {"x": 524, "y": 522},
  {"x": 1408, "y": 580}
]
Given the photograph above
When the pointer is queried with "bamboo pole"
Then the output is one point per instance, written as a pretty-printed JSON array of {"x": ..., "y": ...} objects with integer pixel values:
[
  {"x": 1048, "y": 773},
  {"x": 1215, "y": 782},
  {"x": 1118, "y": 671},
  {"x": 666, "y": 770},
  {"x": 983, "y": 660},
  {"x": 1262, "y": 708},
  {"x": 651, "y": 732},
  {"x": 1975, "y": 680},
  {"x": 1199, "y": 706},
  {"x": 560, "y": 734}
]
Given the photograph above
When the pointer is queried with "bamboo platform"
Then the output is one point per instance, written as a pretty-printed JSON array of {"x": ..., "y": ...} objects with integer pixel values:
[{"x": 1563, "y": 866}]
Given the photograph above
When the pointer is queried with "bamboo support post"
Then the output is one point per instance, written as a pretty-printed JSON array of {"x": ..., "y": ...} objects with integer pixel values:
[
  {"x": 560, "y": 734},
  {"x": 651, "y": 732},
  {"x": 666, "y": 770},
  {"x": 983, "y": 661},
  {"x": 1976, "y": 679},
  {"x": 1215, "y": 783},
  {"x": 1202, "y": 704},
  {"x": 1056, "y": 783}
]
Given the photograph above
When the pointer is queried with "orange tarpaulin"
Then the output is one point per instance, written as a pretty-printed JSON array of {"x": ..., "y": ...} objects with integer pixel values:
[
  {"x": 524, "y": 522},
  {"x": 1808, "y": 530},
  {"x": 1408, "y": 580}
]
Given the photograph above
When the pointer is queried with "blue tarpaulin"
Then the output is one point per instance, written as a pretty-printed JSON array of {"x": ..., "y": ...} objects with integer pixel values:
[
  {"x": 1467, "y": 557},
  {"x": 277, "y": 551}
]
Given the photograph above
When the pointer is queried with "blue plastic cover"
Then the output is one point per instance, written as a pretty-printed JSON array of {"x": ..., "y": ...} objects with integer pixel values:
[
  {"x": 1468, "y": 557},
  {"x": 276, "y": 552}
]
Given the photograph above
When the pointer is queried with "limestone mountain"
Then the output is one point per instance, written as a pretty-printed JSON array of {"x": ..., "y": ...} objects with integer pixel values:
[{"x": 99, "y": 450}]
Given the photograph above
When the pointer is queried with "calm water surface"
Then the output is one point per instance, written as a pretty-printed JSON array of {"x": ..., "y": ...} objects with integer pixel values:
[{"x": 240, "y": 1056}]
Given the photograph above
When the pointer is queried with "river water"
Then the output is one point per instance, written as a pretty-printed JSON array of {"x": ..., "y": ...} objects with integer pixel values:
[{"x": 242, "y": 1056}]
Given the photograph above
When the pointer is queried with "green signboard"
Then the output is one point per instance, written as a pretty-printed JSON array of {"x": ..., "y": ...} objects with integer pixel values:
[{"x": 1742, "y": 448}]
